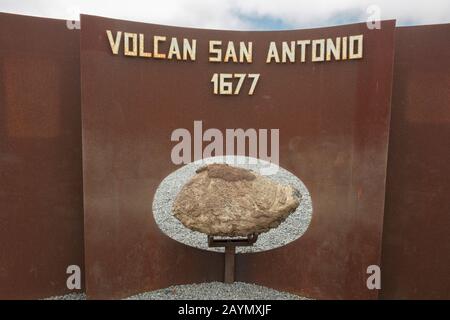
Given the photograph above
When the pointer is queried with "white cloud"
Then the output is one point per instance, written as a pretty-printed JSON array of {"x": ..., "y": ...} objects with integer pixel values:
[
  {"x": 238, "y": 14},
  {"x": 323, "y": 12}
]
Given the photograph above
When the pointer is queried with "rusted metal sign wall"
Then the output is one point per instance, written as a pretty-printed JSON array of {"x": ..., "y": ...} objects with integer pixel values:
[
  {"x": 416, "y": 237},
  {"x": 325, "y": 113},
  {"x": 333, "y": 119},
  {"x": 41, "y": 196}
]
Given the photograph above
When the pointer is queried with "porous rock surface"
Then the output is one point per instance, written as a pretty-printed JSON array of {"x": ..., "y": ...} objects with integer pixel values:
[{"x": 221, "y": 200}]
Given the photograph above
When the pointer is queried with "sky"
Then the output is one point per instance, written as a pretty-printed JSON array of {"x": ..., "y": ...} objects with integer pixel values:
[{"x": 241, "y": 14}]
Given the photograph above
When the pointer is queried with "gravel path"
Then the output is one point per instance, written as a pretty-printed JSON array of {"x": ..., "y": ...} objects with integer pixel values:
[
  {"x": 289, "y": 230},
  {"x": 216, "y": 291},
  {"x": 204, "y": 291},
  {"x": 70, "y": 296}
]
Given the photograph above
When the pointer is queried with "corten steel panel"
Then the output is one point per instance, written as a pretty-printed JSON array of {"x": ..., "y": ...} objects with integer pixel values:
[
  {"x": 416, "y": 236},
  {"x": 334, "y": 122},
  {"x": 41, "y": 209}
]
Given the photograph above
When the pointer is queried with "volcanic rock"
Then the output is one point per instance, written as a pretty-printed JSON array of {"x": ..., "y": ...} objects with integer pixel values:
[{"x": 221, "y": 200}]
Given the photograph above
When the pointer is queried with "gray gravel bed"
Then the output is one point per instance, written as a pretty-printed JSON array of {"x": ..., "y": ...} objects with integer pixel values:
[
  {"x": 69, "y": 296},
  {"x": 216, "y": 291},
  {"x": 289, "y": 230},
  {"x": 203, "y": 291}
]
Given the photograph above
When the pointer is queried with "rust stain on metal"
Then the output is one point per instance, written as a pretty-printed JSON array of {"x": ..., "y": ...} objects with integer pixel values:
[
  {"x": 41, "y": 195},
  {"x": 416, "y": 237}
]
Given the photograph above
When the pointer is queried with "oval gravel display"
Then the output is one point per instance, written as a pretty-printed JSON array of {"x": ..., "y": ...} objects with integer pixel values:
[{"x": 289, "y": 230}]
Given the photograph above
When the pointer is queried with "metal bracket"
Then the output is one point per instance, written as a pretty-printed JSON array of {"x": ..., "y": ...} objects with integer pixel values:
[{"x": 230, "y": 245}]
